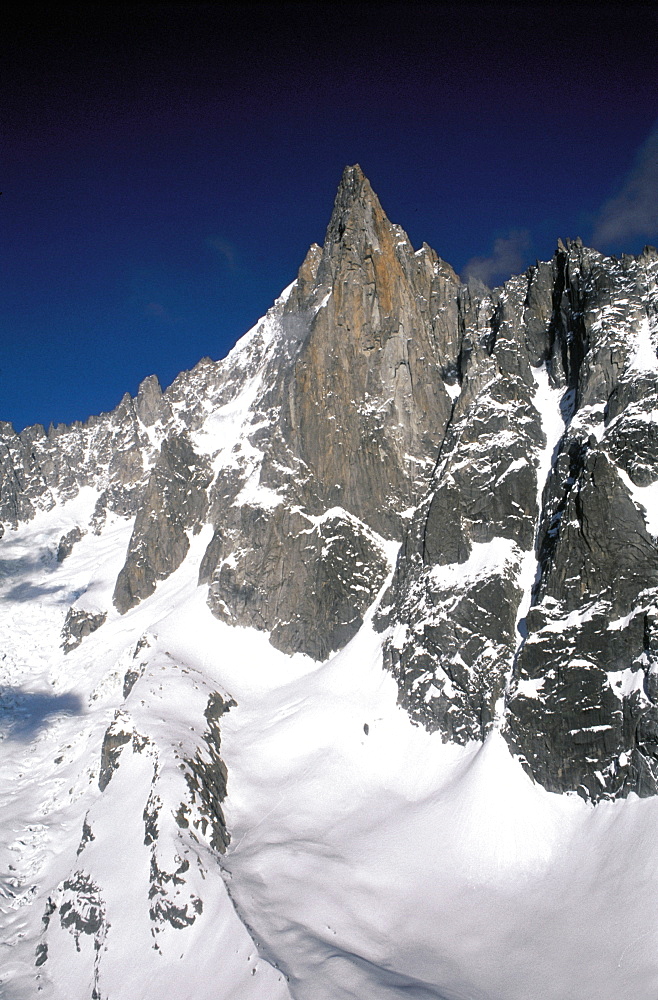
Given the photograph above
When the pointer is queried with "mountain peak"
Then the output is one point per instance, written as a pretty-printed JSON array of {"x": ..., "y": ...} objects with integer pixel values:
[
  {"x": 357, "y": 211},
  {"x": 353, "y": 180}
]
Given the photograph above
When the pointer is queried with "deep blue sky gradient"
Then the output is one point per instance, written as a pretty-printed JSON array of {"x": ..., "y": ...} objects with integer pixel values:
[{"x": 166, "y": 166}]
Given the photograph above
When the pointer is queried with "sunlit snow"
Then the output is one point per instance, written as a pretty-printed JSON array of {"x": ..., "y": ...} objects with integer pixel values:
[{"x": 384, "y": 864}]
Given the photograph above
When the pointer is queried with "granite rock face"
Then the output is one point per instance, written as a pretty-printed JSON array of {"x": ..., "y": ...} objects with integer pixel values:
[
  {"x": 525, "y": 591},
  {"x": 346, "y": 427},
  {"x": 174, "y": 503},
  {"x": 78, "y": 625},
  {"x": 307, "y": 581},
  {"x": 362, "y": 409},
  {"x": 475, "y": 469},
  {"x": 67, "y": 541},
  {"x": 583, "y": 707}
]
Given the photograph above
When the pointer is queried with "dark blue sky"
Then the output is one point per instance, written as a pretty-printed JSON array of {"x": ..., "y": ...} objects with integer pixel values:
[{"x": 166, "y": 166}]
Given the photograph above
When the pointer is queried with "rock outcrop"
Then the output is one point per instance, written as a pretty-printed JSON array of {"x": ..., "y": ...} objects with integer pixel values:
[{"x": 174, "y": 503}]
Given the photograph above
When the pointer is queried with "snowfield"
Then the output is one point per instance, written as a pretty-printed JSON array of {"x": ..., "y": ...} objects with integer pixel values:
[{"x": 367, "y": 859}]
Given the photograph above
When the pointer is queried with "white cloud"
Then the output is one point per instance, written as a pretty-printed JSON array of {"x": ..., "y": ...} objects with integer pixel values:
[
  {"x": 507, "y": 258},
  {"x": 634, "y": 211}
]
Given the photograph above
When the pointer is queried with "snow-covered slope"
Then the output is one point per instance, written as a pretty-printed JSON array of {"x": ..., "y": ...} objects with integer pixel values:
[
  {"x": 382, "y": 863},
  {"x": 226, "y": 608}
]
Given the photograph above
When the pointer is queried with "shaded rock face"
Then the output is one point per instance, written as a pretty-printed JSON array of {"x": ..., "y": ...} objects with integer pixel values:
[
  {"x": 78, "y": 625},
  {"x": 308, "y": 581},
  {"x": 67, "y": 541},
  {"x": 458, "y": 584},
  {"x": 525, "y": 592},
  {"x": 206, "y": 778},
  {"x": 116, "y": 736},
  {"x": 583, "y": 711},
  {"x": 488, "y": 457},
  {"x": 174, "y": 503}
]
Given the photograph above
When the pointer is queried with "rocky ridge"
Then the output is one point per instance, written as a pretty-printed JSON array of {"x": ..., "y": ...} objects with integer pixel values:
[{"x": 494, "y": 450}]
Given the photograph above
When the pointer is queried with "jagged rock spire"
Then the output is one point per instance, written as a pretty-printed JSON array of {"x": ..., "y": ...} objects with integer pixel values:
[
  {"x": 355, "y": 200},
  {"x": 358, "y": 219}
]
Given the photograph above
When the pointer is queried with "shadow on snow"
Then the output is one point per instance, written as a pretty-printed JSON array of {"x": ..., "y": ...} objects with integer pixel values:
[{"x": 24, "y": 713}]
